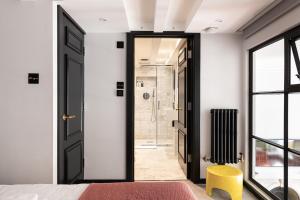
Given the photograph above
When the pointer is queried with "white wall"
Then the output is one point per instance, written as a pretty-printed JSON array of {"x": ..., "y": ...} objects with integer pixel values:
[
  {"x": 105, "y": 130},
  {"x": 26, "y": 110},
  {"x": 221, "y": 78},
  {"x": 284, "y": 23}
]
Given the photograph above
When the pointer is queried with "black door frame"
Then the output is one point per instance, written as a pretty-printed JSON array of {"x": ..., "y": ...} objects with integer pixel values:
[{"x": 194, "y": 98}]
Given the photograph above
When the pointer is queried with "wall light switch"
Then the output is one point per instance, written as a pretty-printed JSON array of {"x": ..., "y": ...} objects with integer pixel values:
[
  {"x": 120, "y": 44},
  {"x": 33, "y": 78},
  {"x": 120, "y": 93},
  {"x": 120, "y": 85}
]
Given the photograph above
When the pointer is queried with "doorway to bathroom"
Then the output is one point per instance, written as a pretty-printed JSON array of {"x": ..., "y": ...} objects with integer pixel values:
[
  {"x": 156, "y": 109},
  {"x": 163, "y": 132}
]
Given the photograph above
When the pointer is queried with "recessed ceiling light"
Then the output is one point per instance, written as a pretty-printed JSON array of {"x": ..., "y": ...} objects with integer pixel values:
[{"x": 101, "y": 19}]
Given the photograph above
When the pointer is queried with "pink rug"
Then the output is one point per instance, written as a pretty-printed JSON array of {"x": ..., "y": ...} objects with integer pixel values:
[{"x": 138, "y": 191}]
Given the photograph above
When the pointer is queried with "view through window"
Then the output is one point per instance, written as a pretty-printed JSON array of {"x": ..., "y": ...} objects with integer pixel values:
[{"x": 274, "y": 128}]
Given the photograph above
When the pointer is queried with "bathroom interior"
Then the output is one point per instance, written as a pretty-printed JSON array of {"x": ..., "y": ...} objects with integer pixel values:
[{"x": 156, "y": 100}]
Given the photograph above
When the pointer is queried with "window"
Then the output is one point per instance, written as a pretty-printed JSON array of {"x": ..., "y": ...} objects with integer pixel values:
[
  {"x": 274, "y": 113},
  {"x": 295, "y": 62}
]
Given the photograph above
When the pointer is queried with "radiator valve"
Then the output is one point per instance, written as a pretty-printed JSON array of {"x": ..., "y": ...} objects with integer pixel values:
[{"x": 241, "y": 158}]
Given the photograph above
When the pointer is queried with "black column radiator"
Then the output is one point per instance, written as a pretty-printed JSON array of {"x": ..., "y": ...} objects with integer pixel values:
[{"x": 224, "y": 136}]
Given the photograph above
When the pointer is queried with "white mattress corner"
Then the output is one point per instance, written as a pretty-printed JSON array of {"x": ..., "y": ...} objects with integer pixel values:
[{"x": 41, "y": 192}]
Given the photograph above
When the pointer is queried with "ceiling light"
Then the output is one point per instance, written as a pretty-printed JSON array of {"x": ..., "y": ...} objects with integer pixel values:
[
  {"x": 101, "y": 19},
  {"x": 210, "y": 29}
]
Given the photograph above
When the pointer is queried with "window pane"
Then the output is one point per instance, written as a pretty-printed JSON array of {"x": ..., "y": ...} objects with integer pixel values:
[
  {"x": 294, "y": 123},
  {"x": 268, "y": 165},
  {"x": 268, "y": 68},
  {"x": 294, "y": 175},
  {"x": 294, "y": 71},
  {"x": 268, "y": 114}
]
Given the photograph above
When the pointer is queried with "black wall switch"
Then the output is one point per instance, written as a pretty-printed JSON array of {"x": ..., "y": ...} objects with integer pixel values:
[
  {"x": 120, "y": 93},
  {"x": 120, "y": 85},
  {"x": 120, "y": 44},
  {"x": 33, "y": 78}
]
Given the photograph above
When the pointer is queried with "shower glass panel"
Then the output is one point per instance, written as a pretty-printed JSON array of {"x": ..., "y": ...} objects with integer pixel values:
[
  {"x": 154, "y": 110},
  {"x": 145, "y": 107},
  {"x": 165, "y": 110}
]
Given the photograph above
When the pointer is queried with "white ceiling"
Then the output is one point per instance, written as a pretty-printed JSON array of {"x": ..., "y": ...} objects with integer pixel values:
[
  {"x": 88, "y": 12},
  {"x": 164, "y": 15},
  {"x": 233, "y": 13},
  {"x": 156, "y": 50}
]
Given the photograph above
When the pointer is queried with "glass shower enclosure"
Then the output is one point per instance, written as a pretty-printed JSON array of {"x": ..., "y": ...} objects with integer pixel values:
[{"x": 154, "y": 106}]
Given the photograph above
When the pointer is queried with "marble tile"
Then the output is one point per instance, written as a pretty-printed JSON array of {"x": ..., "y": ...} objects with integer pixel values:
[
  {"x": 158, "y": 163},
  {"x": 151, "y": 121}
]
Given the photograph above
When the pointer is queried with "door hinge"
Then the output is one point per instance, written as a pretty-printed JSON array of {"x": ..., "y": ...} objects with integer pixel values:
[
  {"x": 189, "y": 54},
  {"x": 189, "y": 158},
  {"x": 189, "y": 106}
]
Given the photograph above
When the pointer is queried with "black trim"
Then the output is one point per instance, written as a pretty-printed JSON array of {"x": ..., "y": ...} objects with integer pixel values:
[
  {"x": 195, "y": 100},
  {"x": 100, "y": 181},
  {"x": 294, "y": 151},
  {"x": 271, "y": 92},
  {"x": 287, "y": 36},
  {"x": 296, "y": 55},
  {"x": 253, "y": 191},
  {"x": 130, "y": 108},
  {"x": 202, "y": 181},
  {"x": 270, "y": 142}
]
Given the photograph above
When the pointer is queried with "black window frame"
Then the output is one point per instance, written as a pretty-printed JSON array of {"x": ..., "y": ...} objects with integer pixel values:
[{"x": 287, "y": 37}]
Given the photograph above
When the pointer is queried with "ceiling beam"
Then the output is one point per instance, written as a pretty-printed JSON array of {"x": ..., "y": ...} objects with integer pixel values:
[
  {"x": 160, "y": 15},
  {"x": 192, "y": 12},
  {"x": 268, "y": 17}
]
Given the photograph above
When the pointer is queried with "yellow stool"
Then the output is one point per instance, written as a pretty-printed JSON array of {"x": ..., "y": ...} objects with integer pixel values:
[{"x": 226, "y": 178}]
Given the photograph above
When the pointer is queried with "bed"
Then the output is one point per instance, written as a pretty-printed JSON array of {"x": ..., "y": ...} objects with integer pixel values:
[{"x": 99, "y": 191}]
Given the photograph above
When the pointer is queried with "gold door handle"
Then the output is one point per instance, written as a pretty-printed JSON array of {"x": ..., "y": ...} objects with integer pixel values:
[
  {"x": 67, "y": 117},
  {"x": 178, "y": 108}
]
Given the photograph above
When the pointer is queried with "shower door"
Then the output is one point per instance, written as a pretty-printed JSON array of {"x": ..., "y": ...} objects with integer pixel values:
[
  {"x": 154, "y": 110},
  {"x": 165, "y": 111},
  {"x": 146, "y": 107}
]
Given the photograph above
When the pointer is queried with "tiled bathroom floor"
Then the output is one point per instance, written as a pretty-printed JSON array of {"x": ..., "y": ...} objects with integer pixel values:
[{"x": 158, "y": 163}]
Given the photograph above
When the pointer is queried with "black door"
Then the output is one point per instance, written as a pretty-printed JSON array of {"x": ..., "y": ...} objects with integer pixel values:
[
  {"x": 182, "y": 109},
  {"x": 70, "y": 99}
]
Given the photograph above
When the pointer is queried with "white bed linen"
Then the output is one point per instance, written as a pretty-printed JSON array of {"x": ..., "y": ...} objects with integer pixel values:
[{"x": 41, "y": 192}]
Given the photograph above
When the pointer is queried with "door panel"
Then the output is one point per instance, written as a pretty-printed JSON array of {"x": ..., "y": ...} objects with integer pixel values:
[
  {"x": 73, "y": 161},
  {"x": 182, "y": 109},
  {"x": 182, "y": 95},
  {"x": 74, "y": 95},
  {"x": 182, "y": 145},
  {"x": 70, "y": 99}
]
